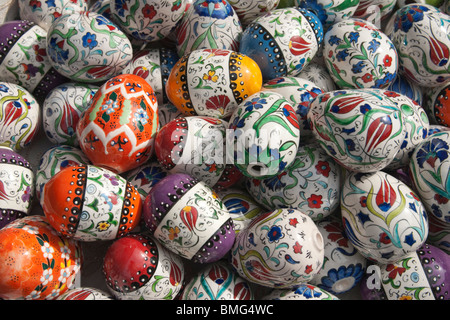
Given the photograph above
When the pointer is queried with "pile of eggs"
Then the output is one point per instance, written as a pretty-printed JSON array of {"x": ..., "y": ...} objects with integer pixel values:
[{"x": 281, "y": 150}]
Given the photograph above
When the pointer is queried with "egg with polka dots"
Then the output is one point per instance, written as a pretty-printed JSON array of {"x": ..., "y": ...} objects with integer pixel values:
[{"x": 89, "y": 203}]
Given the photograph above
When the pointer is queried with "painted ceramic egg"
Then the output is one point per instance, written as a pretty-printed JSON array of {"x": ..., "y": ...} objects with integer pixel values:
[
  {"x": 299, "y": 92},
  {"x": 359, "y": 55},
  {"x": 148, "y": 20},
  {"x": 419, "y": 276},
  {"x": 20, "y": 116},
  {"x": 439, "y": 233},
  {"x": 195, "y": 145},
  {"x": 87, "y": 47},
  {"x": 117, "y": 130},
  {"x": 16, "y": 186},
  {"x": 208, "y": 24},
  {"x": 144, "y": 177},
  {"x": 188, "y": 218},
  {"x": 265, "y": 135},
  {"x": 361, "y": 129},
  {"x": 212, "y": 82},
  {"x": 330, "y": 11},
  {"x": 53, "y": 160},
  {"x": 41, "y": 265},
  {"x": 429, "y": 167},
  {"x": 287, "y": 55},
  {"x": 102, "y": 7},
  {"x": 279, "y": 249},
  {"x": 437, "y": 105},
  {"x": 385, "y": 7},
  {"x": 416, "y": 122},
  {"x": 408, "y": 88},
  {"x": 420, "y": 34},
  {"x": 248, "y": 11},
  {"x": 44, "y": 13},
  {"x": 318, "y": 74},
  {"x": 385, "y": 220},
  {"x": 304, "y": 291},
  {"x": 241, "y": 206},
  {"x": 343, "y": 266},
  {"x": 136, "y": 267},
  {"x": 154, "y": 65},
  {"x": 85, "y": 293},
  {"x": 61, "y": 111},
  {"x": 89, "y": 203},
  {"x": 24, "y": 60},
  {"x": 217, "y": 281},
  {"x": 310, "y": 184}
]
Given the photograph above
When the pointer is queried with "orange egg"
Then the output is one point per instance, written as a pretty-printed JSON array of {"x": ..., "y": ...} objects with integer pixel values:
[
  {"x": 117, "y": 129},
  {"x": 37, "y": 263},
  {"x": 212, "y": 82}
]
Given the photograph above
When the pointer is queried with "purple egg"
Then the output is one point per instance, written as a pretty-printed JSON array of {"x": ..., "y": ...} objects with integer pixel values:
[
  {"x": 188, "y": 218},
  {"x": 421, "y": 275}
]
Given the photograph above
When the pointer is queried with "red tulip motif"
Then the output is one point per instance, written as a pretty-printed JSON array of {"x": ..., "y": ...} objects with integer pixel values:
[
  {"x": 189, "y": 216},
  {"x": 298, "y": 45}
]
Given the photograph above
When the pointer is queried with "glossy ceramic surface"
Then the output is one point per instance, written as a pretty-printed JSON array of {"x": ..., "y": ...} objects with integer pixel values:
[
  {"x": 343, "y": 266},
  {"x": 248, "y": 11},
  {"x": 212, "y": 82},
  {"x": 217, "y": 281},
  {"x": 420, "y": 275},
  {"x": 359, "y": 55},
  {"x": 24, "y": 60},
  {"x": 148, "y": 20},
  {"x": 87, "y": 47},
  {"x": 154, "y": 66},
  {"x": 136, "y": 267},
  {"x": 41, "y": 264},
  {"x": 420, "y": 35},
  {"x": 144, "y": 177},
  {"x": 188, "y": 218},
  {"x": 53, "y": 160},
  {"x": 16, "y": 186},
  {"x": 279, "y": 249},
  {"x": 61, "y": 111},
  {"x": 20, "y": 117},
  {"x": 265, "y": 135},
  {"x": 385, "y": 220},
  {"x": 429, "y": 169},
  {"x": 361, "y": 129},
  {"x": 44, "y": 13},
  {"x": 89, "y": 203},
  {"x": 208, "y": 24},
  {"x": 310, "y": 184},
  {"x": 282, "y": 56},
  {"x": 118, "y": 128},
  {"x": 437, "y": 105},
  {"x": 299, "y": 92}
]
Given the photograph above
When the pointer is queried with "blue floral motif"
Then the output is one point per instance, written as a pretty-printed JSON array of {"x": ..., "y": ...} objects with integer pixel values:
[
  {"x": 343, "y": 272},
  {"x": 89, "y": 40},
  {"x": 274, "y": 183},
  {"x": 357, "y": 68},
  {"x": 256, "y": 103},
  {"x": 406, "y": 16},
  {"x": 353, "y": 37},
  {"x": 388, "y": 78},
  {"x": 3, "y": 88},
  {"x": 364, "y": 108},
  {"x": 50, "y": 3},
  {"x": 110, "y": 106},
  {"x": 334, "y": 40},
  {"x": 274, "y": 233},
  {"x": 308, "y": 292},
  {"x": 217, "y": 9},
  {"x": 436, "y": 149},
  {"x": 57, "y": 54},
  {"x": 141, "y": 116},
  {"x": 373, "y": 45},
  {"x": 342, "y": 55},
  {"x": 120, "y": 6}
]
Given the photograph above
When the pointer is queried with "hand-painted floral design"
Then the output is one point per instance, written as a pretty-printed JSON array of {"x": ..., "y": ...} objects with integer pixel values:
[
  {"x": 406, "y": 16},
  {"x": 431, "y": 152}
]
